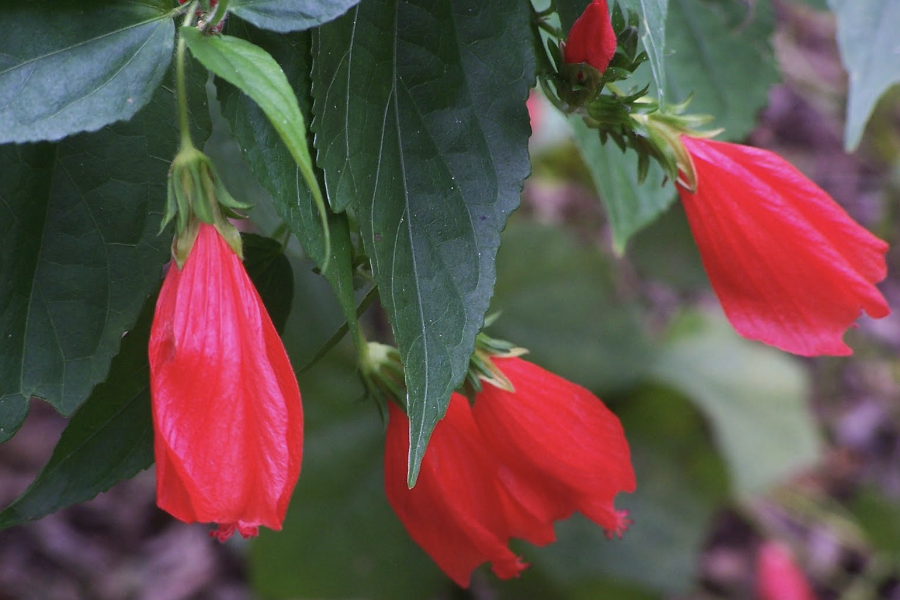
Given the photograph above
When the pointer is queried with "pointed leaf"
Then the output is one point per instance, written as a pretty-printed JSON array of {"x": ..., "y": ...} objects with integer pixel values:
[
  {"x": 867, "y": 38},
  {"x": 253, "y": 70},
  {"x": 80, "y": 251},
  {"x": 754, "y": 397},
  {"x": 421, "y": 127},
  {"x": 276, "y": 170},
  {"x": 630, "y": 206},
  {"x": 289, "y": 15},
  {"x": 77, "y": 65}
]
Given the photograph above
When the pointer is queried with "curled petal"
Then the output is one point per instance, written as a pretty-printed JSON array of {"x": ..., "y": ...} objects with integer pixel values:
[{"x": 592, "y": 39}]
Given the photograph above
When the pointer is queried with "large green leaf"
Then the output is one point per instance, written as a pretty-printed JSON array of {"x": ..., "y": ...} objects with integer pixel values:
[
  {"x": 80, "y": 251},
  {"x": 630, "y": 206},
  {"x": 253, "y": 70},
  {"x": 558, "y": 299},
  {"x": 275, "y": 168},
  {"x": 654, "y": 14},
  {"x": 722, "y": 54},
  {"x": 339, "y": 507},
  {"x": 110, "y": 438},
  {"x": 867, "y": 38},
  {"x": 77, "y": 65},
  {"x": 289, "y": 15},
  {"x": 754, "y": 398},
  {"x": 421, "y": 127}
]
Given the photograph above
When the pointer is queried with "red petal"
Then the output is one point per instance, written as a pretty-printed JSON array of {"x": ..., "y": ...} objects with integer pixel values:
[
  {"x": 562, "y": 450},
  {"x": 789, "y": 266},
  {"x": 592, "y": 39},
  {"x": 454, "y": 512},
  {"x": 778, "y": 576},
  {"x": 226, "y": 407}
]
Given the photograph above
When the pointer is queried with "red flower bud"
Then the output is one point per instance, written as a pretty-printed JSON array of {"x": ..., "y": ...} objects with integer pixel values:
[
  {"x": 592, "y": 39},
  {"x": 455, "y": 512},
  {"x": 228, "y": 424},
  {"x": 778, "y": 576},
  {"x": 560, "y": 448},
  {"x": 789, "y": 266}
]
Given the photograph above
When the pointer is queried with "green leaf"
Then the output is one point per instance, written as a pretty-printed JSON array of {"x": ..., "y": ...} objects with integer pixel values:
[
  {"x": 253, "y": 70},
  {"x": 339, "y": 507},
  {"x": 76, "y": 65},
  {"x": 80, "y": 250},
  {"x": 653, "y": 34},
  {"x": 867, "y": 38},
  {"x": 754, "y": 398},
  {"x": 879, "y": 518},
  {"x": 274, "y": 167},
  {"x": 630, "y": 206},
  {"x": 721, "y": 54},
  {"x": 110, "y": 438},
  {"x": 272, "y": 275},
  {"x": 421, "y": 127},
  {"x": 289, "y": 15},
  {"x": 558, "y": 299}
]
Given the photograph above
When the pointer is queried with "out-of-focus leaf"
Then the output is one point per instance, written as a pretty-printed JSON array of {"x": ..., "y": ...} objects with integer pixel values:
[
  {"x": 339, "y": 508},
  {"x": 727, "y": 65},
  {"x": 867, "y": 39},
  {"x": 289, "y": 15},
  {"x": 421, "y": 127},
  {"x": 275, "y": 168},
  {"x": 77, "y": 65},
  {"x": 630, "y": 205},
  {"x": 79, "y": 224},
  {"x": 557, "y": 299},
  {"x": 879, "y": 518},
  {"x": 665, "y": 251},
  {"x": 754, "y": 398}
]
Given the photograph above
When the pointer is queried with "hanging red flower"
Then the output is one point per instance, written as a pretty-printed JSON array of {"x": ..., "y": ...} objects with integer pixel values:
[
  {"x": 789, "y": 266},
  {"x": 228, "y": 424},
  {"x": 592, "y": 39},
  {"x": 455, "y": 511},
  {"x": 777, "y": 575},
  {"x": 560, "y": 448}
]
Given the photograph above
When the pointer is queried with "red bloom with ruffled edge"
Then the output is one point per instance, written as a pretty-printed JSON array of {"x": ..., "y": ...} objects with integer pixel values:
[
  {"x": 592, "y": 39},
  {"x": 560, "y": 448},
  {"x": 228, "y": 423},
  {"x": 789, "y": 266},
  {"x": 777, "y": 575},
  {"x": 455, "y": 512}
]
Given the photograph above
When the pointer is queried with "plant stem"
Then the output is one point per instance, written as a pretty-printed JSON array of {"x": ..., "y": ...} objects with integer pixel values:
[
  {"x": 181, "y": 85},
  {"x": 221, "y": 11}
]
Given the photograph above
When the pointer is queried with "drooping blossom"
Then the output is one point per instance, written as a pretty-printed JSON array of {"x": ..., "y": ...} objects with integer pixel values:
[
  {"x": 455, "y": 512},
  {"x": 560, "y": 450},
  {"x": 227, "y": 418},
  {"x": 788, "y": 265},
  {"x": 777, "y": 575},
  {"x": 592, "y": 39}
]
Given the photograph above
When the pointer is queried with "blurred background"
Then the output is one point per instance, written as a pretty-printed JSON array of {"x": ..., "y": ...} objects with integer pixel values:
[{"x": 739, "y": 448}]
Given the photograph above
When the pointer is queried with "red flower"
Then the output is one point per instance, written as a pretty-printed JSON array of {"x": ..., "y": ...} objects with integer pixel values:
[
  {"x": 778, "y": 576},
  {"x": 560, "y": 448},
  {"x": 455, "y": 511},
  {"x": 226, "y": 407},
  {"x": 592, "y": 39},
  {"x": 789, "y": 266}
]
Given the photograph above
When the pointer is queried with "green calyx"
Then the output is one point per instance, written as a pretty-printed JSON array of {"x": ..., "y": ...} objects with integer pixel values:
[
  {"x": 382, "y": 373},
  {"x": 196, "y": 195},
  {"x": 482, "y": 367}
]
